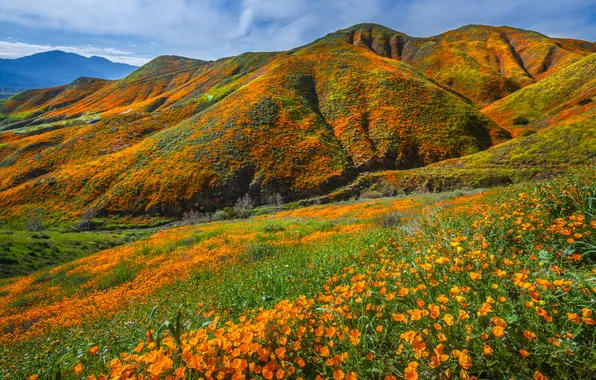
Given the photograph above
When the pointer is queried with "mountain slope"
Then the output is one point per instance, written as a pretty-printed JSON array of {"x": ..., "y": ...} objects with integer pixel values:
[
  {"x": 553, "y": 150},
  {"x": 56, "y": 68},
  {"x": 182, "y": 134},
  {"x": 482, "y": 62},
  {"x": 568, "y": 92}
]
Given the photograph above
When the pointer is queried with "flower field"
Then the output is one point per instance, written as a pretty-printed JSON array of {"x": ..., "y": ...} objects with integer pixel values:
[{"x": 486, "y": 285}]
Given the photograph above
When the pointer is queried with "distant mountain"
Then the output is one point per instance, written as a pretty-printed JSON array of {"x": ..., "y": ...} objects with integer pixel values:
[{"x": 56, "y": 68}]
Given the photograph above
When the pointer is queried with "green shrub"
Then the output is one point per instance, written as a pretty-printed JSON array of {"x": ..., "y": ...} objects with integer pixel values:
[
  {"x": 221, "y": 215},
  {"x": 521, "y": 120},
  {"x": 273, "y": 227},
  {"x": 585, "y": 101},
  {"x": 528, "y": 132}
]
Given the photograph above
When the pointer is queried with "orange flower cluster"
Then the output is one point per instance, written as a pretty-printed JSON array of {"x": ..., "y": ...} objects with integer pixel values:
[
  {"x": 160, "y": 260},
  {"x": 426, "y": 307}
]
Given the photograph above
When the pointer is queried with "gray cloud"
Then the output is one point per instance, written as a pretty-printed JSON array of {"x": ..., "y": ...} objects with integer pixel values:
[{"x": 210, "y": 29}]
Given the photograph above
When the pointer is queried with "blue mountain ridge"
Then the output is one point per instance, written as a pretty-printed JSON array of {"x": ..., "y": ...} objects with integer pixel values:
[{"x": 56, "y": 68}]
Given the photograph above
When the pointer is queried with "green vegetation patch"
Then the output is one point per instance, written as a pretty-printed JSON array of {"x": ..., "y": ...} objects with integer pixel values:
[{"x": 24, "y": 252}]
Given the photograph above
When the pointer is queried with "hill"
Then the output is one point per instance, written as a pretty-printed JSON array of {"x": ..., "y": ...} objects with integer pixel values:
[
  {"x": 180, "y": 134},
  {"x": 173, "y": 223},
  {"x": 484, "y": 63},
  {"x": 299, "y": 123},
  {"x": 554, "y": 121},
  {"x": 56, "y": 68},
  {"x": 568, "y": 93}
]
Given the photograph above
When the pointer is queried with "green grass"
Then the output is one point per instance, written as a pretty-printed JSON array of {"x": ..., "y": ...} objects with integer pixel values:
[
  {"x": 23, "y": 252},
  {"x": 124, "y": 272}
]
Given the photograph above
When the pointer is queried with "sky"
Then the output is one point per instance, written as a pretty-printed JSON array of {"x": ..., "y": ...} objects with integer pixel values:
[{"x": 135, "y": 31}]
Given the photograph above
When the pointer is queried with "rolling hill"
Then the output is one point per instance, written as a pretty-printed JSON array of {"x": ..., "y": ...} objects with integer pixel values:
[
  {"x": 180, "y": 134},
  {"x": 55, "y": 68},
  {"x": 484, "y": 63},
  {"x": 568, "y": 93}
]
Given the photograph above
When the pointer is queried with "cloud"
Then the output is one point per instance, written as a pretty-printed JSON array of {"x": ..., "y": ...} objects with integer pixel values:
[
  {"x": 569, "y": 18},
  {"x": 9, "y": 49},
  {"x": 211, "y": 29}
]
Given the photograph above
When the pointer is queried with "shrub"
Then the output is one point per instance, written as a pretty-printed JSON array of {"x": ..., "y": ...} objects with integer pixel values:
[
  {"x": 521, "y": 120},
  {"x": 194, "y": 217},
  {"x": 380, "y": 189},
  {"x": 221, "y": 215},
  {"x": 528, "y": 132},
  {"x": 274, "y": 199},
  {"x": 35, "y": 221},
  {"x": 389, "y": 219},
  {"x": 585, "y": 101},
  {"x": 86, "y": 222},
  {"x": 244, "y": 204}
]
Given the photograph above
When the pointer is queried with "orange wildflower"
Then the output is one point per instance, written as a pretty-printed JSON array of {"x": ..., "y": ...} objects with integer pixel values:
[
  {"x": 78, "y": 368},
  {"x": 539, "y": 376},
  {"x": 574, "y": 317},
  {"x": 529, "y": 335},
  {"x": 411, "y": 371},
  {"x": 464, "y": 360},
  {"x": 487, "y": 350}
]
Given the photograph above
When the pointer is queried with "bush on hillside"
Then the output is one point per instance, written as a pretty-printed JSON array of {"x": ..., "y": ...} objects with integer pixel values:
[
  {"x": 35, "y": 221},
  {"x": 521, "y": 120}
]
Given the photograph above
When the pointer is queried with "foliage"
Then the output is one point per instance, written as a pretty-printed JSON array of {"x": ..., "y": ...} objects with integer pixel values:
[
  {"x": 244, "y": 204},
  {"x": 541, "y": 154},
  {"x": 484, "y": 63},
  {"x": 300, "y": 123},
  {"x": 460, "y": 285},
  {"x": 86, "y": 222},
  {"x": 521, "y": 120}
]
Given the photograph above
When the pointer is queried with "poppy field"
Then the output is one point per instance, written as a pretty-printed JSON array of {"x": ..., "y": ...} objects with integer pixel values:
[{"x": 486, "y": 284}]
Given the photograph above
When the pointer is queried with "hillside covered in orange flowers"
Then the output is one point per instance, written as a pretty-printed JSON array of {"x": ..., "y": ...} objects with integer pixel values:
[
  {"x": 368, "y": 206},
  {"x": 181, "y": 134}
]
